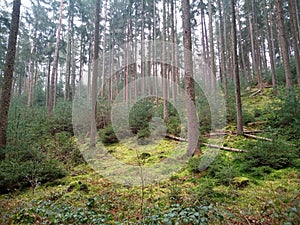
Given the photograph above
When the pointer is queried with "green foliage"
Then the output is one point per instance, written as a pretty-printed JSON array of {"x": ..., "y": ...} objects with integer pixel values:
[
  {"x": 276, "y": 155},
  {"x": 285, "y": 113},
  {"x": 108, "y": 136},
  {"x": 27, "y": 167},
  {"x": 60, "y": 213},
  {"x": 140, "y": 115},
  {"x": 223, "y": 170},
  {"x": 178, "y": 214}
]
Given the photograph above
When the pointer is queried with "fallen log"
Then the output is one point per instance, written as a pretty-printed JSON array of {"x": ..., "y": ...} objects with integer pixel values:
[
  {"x": 257, "y": 137},
  {"x": 231, "y": 132},
  {"x": 206, "y": 144},
  {"x": 255, "y": 93},
  {"x": 224, "y": 148},
  {"x": 257, "y": 123}
]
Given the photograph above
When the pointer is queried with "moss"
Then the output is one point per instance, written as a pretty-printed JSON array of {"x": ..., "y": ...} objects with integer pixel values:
[{"x": 240, "y": 182}]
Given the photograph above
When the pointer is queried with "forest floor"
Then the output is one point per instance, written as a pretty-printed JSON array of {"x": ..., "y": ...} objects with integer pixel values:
[{"x": 225, "y": 193}]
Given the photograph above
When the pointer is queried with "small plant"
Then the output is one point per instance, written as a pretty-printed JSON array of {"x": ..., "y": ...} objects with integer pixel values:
[{"x": 108, "y": 136}]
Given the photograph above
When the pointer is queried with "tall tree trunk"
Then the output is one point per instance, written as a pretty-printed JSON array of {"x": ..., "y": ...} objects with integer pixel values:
[
  {"x": 293, "y": 20},
  {"x": 8, "y": 74},
  {"x": 211, "y": 46},
  {"x": 143, "y": 46},
  {"x": 90, "y": 60},
  {"x": 95, "y": 76},
  {"x": 68, "y": 57},
  {"x": 193, "y": 126},
  {"x": 270, "y": 47},
  {"x": 282, "y": 36},
  {"x": 30, "y": 79},
  {"x": 55, "y": 64},
  {"x": 236, "y": 72},
  {"x": 164, "y": 64},
  {"x": 104, "y": 52}
]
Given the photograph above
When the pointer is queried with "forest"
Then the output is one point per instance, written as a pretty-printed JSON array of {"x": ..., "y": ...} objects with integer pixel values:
[{"x": 150, "y": 112}]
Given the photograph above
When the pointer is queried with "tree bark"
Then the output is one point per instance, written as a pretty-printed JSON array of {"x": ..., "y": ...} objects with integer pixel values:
[
  {"x": 95, "y": 77},
  {"x": 192, "y": 120},
  {"x": 211, "y": 47},
  {"x": 55, "y": 64},
  {"x": 293, "y": 21},
  {"x": 8, "y": 74},
  {"x": 282, "y": 36},
  {"x": 236, "y": 72},
  {"x": 270, "y": 47}
]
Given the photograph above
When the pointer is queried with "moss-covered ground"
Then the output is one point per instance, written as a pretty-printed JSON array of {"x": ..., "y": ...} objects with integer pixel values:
[{"x": 225, "y": 193}]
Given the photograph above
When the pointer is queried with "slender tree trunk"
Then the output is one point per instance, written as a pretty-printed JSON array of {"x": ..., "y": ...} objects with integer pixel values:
[
  {"x": 282, "y": 36},
  {"x": 270, "y": 47},
  {"x": 193, "y": 126},
  {"x": 68, "y": 57},
  {"x": 164, "y": 64},
  {"x": 143, "y": 47},
  {"x": 30, "y": 79},
  {"x": 236, "y": 72},
  {"x": 8, "y": 74},
  {"x": 293, "y": 20},
  {"x": 55, "y": 64},
  {"x": 95, "y": 76},
  {"x": 89, "y": 70},
  {"x": 103, "y": 53},
  {"x": 211, "y": 47}
]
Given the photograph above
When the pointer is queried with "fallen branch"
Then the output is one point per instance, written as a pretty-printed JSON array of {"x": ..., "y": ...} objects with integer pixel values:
[
  {"x": 232, "y": 133},
  {"x": 257, "y": 123},
  {"x": 176, "y": 138},
  {"x": 257, "y": 137},
  {"x": 224, "y": 148},
  {"x": 255, "y": 93},
  {"x": 208, "y": 145}
]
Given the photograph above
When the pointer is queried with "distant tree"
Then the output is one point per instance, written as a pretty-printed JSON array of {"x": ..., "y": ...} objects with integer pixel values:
[
  {"x": 294, "y": 29},
  {"x": 55, "y": 64},
  {"x": 8, "y": 74},
  {"x": 236, "y": 72},
  {"x": 282, "y": 36}
]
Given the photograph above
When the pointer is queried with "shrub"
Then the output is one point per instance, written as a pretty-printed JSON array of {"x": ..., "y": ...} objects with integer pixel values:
[
  {"x": 108, "y": 136},
  {"x": 222, "y": 170},
  {"x": 28, "y": 168},
  {"x": 286, "y": 113},
  {"x": 275, "y": 154}
]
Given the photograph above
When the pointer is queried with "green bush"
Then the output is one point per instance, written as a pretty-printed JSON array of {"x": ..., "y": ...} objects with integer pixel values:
[
  {"x": 28, "y": 168},
  {"x": 222, "y": 170},
  {"x": 275, "y": 154},
  {"x": 140, "y": 115},
  {"x": 286, "y": 113},
  {"x": 108, "y": 136}
]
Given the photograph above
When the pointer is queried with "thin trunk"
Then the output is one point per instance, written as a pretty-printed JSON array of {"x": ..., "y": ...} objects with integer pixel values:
[
  {"x": 270, "y": 47},
  {"x": 30, "y": 79},
  {"x": 211, "y": 47},
  {"x": 95, "y": 76},
  {"x": 103, "y": 53},
  {"x": 164, "y": 64},
  {"x": 55, "y": 64},
  {"x": 68, "y": 57},
  {"x": 143, "y": 47},
  {"x": 293, "y": 21},
  {"x": 282, "y": 36},
  {"x": 236, "y": 72},
  {"x": 89, "y": 70}
]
